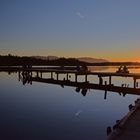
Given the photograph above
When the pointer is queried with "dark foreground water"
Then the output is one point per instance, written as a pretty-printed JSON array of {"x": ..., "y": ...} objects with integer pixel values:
[{"x": 49, "y": 112}]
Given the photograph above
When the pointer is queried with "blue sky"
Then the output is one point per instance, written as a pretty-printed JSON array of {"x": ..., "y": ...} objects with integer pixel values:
[{"x": 71, "y": 28}]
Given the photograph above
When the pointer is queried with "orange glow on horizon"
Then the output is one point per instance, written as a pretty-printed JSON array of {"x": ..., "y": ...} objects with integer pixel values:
[
  {"x": 109, "y": 57},
  {"x": 131, "y": 59},
  {"x": 136, "y": 60}
]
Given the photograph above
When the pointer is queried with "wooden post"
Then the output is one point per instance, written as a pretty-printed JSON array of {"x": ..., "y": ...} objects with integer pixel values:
[
  {"x": 109, "y": 80},
  {"x": 75, "y": 77},
  {"x": 134, "y": 82},
  {"x": 137, "y": 84},
  {"x": 51, "y": 75},
  {"x": 37, "y": 74},
  {"x": 100, "y": 80},
  {"x": 86, "y": 78},
  {"x": 67, "y": 76},
  {"x": 41, "y": 74}
]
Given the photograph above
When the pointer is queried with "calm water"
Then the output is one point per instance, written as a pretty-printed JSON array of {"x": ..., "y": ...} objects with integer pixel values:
[{"x": 49, "y": 112}]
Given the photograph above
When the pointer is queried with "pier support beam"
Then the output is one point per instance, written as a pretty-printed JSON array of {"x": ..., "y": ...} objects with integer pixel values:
[
  {"x": 109, "y": 80},
  {"x": 75, "y": 77},
  {"x": 100, "y": 80},
  {"x": 134, "y": 82},
  {"x": 86, "y": 78},
  {"x": 37, "y": 74},
  {"x": 67, "y": 76},
  {"x": 51, "y": 75},
  {"x": 41, "y": 74}
]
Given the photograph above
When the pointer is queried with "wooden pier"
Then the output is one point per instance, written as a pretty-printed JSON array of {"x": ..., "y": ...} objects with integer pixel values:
[
  {"x": 40, "y": 70},
  {"x": 128, "y": 128},
  {"x": 36, "y": 75}
]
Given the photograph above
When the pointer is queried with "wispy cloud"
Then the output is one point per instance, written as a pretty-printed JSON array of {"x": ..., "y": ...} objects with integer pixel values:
[{"x": 80, "y": 15}]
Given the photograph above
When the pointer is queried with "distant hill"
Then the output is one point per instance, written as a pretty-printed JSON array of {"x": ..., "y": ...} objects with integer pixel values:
[
  {"x": 46, "y": 57},
  {"x": 92, "y": 60},
  {"x": 83, "y": 59}
]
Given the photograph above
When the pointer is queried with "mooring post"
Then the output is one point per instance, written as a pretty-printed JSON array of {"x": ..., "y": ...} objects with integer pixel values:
[
  {"x": 100, "y": 80},
  {"x": 67, "y": 76},
  {"x": 109, "y": 130},
  {"x": 51, "y": 75},
  {"x": 86, "y": 78},
  {"x": 137, "y": 84},
  {"x": 75, "y": 77},
  {"x": 109, "y": 80},
  {"x": 134, "y": 82},
  {"x": 41, "y": 74},
  {"x": 37, "y": 74}
]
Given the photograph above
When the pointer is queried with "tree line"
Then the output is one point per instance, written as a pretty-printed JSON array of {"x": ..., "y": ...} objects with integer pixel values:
[{"x": 11, "y": 60}]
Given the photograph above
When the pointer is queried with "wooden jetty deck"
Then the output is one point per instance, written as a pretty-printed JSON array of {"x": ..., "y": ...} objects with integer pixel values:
[
  {"x": 129, "y": 127},
  {"x": 136, "y": 75},
  {"x": 100, "y": 75},
  {"x": 40, "y": 70},
  {"x": 61, "y": 71}
]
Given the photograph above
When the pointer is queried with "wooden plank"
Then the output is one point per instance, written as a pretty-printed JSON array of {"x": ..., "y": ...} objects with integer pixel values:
[{"x": 129, "y": 127}]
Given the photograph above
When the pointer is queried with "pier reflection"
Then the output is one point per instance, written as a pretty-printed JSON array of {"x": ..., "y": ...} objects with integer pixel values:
[
  {"x": 27, "y": 77},
  {"x": 66, "y": 104}
]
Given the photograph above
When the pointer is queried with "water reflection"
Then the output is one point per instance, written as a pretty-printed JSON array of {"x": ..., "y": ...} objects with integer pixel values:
[
  {"x": 27, "y": 78},
  {"x": 53, "y": 110}
]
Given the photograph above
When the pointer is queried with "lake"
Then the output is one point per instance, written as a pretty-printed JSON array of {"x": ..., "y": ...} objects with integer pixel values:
[{"x": 41, "y": 111}]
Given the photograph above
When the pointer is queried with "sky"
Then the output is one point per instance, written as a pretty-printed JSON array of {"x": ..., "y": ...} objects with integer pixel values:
[{"x": 108, "y": 29}]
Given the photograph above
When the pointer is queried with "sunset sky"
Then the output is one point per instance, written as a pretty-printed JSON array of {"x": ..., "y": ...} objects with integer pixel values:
[{"x": 107, "y": 29}]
